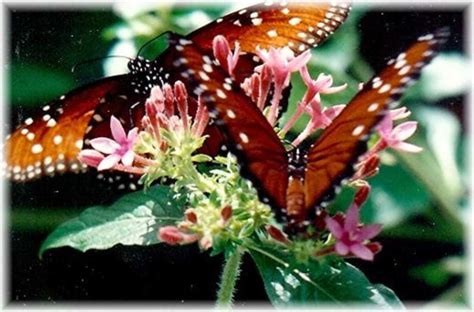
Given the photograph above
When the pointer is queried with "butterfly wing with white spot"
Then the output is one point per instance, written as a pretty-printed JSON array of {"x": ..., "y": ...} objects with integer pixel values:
[
  {"x": 260, "y": 153},
  {"x": 299, "y": 26},
  {"x": 332, "y": 157},
  {"x": 51, "y": 142}
]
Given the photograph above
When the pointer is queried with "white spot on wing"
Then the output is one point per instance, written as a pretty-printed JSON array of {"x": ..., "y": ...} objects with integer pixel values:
[
  {"x": 37, "y": 148},
  {"x": 294, "y": 21},
  {"x": 57, "y": 139},
  {"x": 272, "y": 33},
  {"x": 358, "y": 130},
  {"x": 244, "y": 137}
]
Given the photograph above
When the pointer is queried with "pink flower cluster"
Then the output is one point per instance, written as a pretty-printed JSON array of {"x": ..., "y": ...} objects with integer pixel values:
[{"x": 160, "y": 115}]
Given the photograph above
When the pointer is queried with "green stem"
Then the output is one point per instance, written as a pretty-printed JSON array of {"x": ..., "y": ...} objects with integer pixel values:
[{"x": 229, "y": 277}]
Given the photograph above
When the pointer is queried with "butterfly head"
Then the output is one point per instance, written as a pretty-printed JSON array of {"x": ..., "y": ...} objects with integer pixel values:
[{"x": 146, "y": 74}]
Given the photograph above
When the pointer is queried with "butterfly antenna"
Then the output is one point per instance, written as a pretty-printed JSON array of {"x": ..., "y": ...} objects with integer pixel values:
[
  {"x": 166, "y": 33},
  {"x": 73, "y": 69}
]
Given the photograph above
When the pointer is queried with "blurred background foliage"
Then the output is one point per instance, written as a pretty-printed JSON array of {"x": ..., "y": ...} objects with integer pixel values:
[{"x": 422, "y": 199}]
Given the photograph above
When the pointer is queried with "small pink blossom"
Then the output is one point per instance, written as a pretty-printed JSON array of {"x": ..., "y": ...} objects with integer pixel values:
[
  {"x": 311, "y": 104},
  {"x": 394, "y": 137},
  {"x": 224, "y": 55},
  {"x": 282, "y": 62},
  {"x": 351, "y": 237},
  {"x": 120, "y": 149}
]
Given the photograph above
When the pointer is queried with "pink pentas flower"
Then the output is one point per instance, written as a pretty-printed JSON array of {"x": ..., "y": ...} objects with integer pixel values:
[
  {"x": 281, "y": 62},
  {"x": 120, "y": 149},
  {"x": 323, "y": 84},
  {"x": 394, "y": 137},
  {"x": 311, "y": 104},
  {"x": 351, "y": 237}
]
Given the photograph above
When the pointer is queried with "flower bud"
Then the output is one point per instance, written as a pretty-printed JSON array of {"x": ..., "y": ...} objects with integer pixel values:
[
  {"x": 190, "y": 215},
  {"x": 277, "y": 234},
  {"x": 226, "y": 213},
  {"x": 170, "y": 235},
  {"x": 361, "y": 195},
  {"x": 375, "y": 247}
]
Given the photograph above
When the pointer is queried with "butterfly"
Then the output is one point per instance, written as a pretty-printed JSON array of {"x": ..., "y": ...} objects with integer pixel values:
[
  {"x": 49, "y": 143},
  {"x": 300, "y": 182}
]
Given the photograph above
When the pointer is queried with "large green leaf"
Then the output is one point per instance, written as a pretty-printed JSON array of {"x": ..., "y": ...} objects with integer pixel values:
[
  {"x": 132, "y": 220},
  {"x": 329, "y": 282}
]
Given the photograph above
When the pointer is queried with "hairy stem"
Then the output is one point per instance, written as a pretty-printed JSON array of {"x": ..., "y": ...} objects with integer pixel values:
[{"x": 229, "y": 277}]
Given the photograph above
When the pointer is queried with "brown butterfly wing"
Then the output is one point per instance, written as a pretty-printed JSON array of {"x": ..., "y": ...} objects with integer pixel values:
[
  {"x": 332, "y": 157},
  {"x": 51, "y": 142},
  {"x": 299, "y": 26},
  {"x": 261, "y": 155}
]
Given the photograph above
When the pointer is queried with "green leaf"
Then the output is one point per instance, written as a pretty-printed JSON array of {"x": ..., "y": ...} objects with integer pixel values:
[
  {"x": 132, "y": 220},
  {"x": 396, "y": 195},
  {"x": 330, "y": 281}
]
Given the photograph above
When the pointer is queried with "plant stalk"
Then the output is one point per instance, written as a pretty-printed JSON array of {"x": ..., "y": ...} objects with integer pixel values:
[{"x": 229, "y": 277}]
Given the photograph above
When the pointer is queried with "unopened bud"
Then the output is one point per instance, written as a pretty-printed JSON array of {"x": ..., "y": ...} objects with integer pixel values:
[
  {"x": 375, "y": 247},
  {"x": 226, "y": 213},
  {"x": 277, "y": 234},
  {"x": 361, "y": 195},
  {"x": 170, "y": 235},
  {"x": 190, "y": 215}
]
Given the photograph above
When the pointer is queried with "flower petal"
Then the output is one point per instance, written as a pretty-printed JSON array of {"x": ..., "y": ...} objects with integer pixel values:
[
  {"x": 108, "y": 162},
  {"x": 118, "y": 133},
  {"x": 407, "y": 147},
  {"x": 352, "y": 218},
  {"x": 132, "y": 135},
  {"x": 341, "y": 249},
  {"x": 105, "y": 145},
  {"x": 399, "y": 113},
  {"x": 368, "y": 232},
  {"x": 404, "y": 130},
  {"x": 362, "y": 252},
  {"x": 334, "y": 111},
  {"x": 385, "y": 127},
  {"x": 334, "y": 227},
  {"x": 90, "y": 157},
  {"x": 128, "y": 157},
  {"x": 298, "y": 62}
]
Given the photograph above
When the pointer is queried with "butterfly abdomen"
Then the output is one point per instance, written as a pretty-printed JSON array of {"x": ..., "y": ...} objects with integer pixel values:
[{"x": 295, "y": 202}]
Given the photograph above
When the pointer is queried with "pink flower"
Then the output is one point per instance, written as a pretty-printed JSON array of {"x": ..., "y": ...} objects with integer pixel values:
[
  {"x": 118, "y": 149},
  {"x": 311, "y": 104},
  {"x": 224, "y": 55},
  {"x": 160, "y": 113},
  {"x": 282, "y": 63},
  {"x": 350, "y": 236},
  {"x": 394, "y": 137},
  {"x": 91, "y": 157}
]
